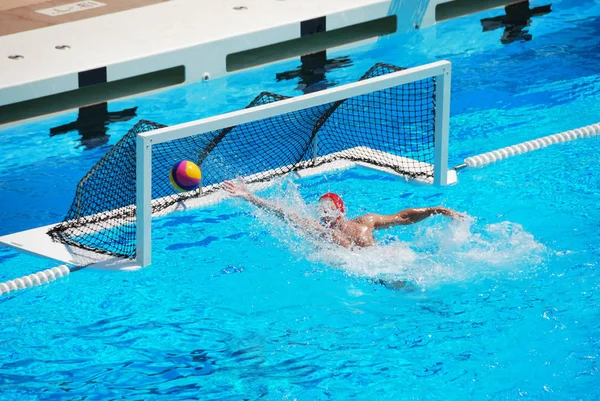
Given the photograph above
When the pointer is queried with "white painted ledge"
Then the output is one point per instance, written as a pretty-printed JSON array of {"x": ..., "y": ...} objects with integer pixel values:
[{"x": 198, "y": 34}]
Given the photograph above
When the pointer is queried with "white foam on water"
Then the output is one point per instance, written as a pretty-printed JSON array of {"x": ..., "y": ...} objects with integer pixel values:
[{"x": 440, "y": 250}]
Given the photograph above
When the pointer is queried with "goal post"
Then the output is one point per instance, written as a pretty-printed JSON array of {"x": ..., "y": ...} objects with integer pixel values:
[
  {"x": 441, "y": 174},
  {"x": 143, "y": 176},
  {"x": 438, "y": 72}
]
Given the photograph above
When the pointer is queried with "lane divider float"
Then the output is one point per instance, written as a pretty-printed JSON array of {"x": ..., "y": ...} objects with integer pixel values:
[
  {"x": 524, "y": 147},
  {"x": 35, "y": 279}
]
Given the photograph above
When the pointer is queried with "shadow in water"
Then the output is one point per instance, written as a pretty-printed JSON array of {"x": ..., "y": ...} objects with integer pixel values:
[
  {"x": 92, "y": 123},
  {"x": 312, "y": 70},
  {"x": 518, "y": 17}
]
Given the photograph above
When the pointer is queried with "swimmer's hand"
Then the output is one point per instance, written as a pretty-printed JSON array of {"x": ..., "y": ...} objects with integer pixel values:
[
  {"x": 454, "y": 214},
  {"x": 448, "y": 212},
  {"x": 237, "y": 189}
]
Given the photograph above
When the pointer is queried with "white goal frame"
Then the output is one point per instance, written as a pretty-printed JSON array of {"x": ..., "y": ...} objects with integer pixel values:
[{"x": 441, "y": 70}]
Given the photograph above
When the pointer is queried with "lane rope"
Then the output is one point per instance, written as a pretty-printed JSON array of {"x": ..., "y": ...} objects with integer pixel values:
[
  {"x": 524, "y": 147},
  {"x": 35, "y": 279}
]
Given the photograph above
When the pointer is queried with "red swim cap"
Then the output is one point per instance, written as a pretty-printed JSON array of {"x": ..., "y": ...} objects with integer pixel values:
[{"x": 337, "y": 201}]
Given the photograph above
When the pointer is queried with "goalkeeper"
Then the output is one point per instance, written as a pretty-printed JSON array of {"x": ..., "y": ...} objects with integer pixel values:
[{"x": 333, "y": 225}]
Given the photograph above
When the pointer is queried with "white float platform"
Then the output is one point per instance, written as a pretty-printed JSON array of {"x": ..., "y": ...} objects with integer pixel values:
[
  {"x": 37, "y": 242},
  {"x": 198, "y": 34}
]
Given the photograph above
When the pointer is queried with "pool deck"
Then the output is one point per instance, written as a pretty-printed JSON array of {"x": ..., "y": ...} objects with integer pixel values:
[
  {"x": 196, "y": 34},
  {"x": 57, "y": 55},
  {"x": 25, "y": 15}
]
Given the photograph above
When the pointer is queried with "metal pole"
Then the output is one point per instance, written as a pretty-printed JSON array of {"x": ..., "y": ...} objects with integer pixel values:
[
  {"x": 143, "y": 175},
  {"x": 442, "y": 121}
]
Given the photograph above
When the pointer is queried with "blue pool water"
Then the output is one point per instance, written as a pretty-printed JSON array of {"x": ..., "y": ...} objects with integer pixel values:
[{"x": 238, "y": 306}]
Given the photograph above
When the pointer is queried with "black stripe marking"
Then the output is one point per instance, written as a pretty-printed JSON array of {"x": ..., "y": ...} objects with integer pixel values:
[
  {"x": 312, "y": 26},
  {"x": 92, "y": 77}
]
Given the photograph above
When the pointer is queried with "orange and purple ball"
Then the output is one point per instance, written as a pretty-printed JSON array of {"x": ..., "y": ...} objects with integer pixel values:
[{"x": 185, "y": 176}]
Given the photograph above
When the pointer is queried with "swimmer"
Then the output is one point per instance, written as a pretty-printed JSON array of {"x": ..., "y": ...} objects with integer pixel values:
[{"x": 332, "y": 223}]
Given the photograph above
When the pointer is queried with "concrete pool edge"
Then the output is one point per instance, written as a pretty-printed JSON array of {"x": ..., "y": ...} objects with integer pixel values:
[
  {"x": 122, "y": 54},
  {"x": 198, "y": 35}
]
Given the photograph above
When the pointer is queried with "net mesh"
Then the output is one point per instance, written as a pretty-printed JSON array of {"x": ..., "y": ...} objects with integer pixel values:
[{"x": 391, "y": 128}]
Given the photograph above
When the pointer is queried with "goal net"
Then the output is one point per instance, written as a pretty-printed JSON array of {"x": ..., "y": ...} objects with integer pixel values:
[{"x": 391, "y": 119}]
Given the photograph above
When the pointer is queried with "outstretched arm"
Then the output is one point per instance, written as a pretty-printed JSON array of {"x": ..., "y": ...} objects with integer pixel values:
[
  {"x": 240, "y": 190},
  {"x": 407, "y": 216}
]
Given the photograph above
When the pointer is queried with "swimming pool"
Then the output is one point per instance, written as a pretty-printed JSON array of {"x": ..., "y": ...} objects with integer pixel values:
[{"x": 236, "y": 305}]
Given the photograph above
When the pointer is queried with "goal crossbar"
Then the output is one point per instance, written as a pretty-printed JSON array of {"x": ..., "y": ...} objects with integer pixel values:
[{"x": 440, "y": 69}]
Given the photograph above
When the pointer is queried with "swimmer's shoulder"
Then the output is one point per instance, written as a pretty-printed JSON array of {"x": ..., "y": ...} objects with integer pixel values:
[
  {"x": 368, "y": 219},
  {"x": 365, "y": 218}
]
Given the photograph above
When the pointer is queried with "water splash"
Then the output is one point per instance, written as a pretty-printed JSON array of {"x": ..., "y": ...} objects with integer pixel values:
[
  {"x": 435, "y": 252},
  {"x": 440, "y": 252}
]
